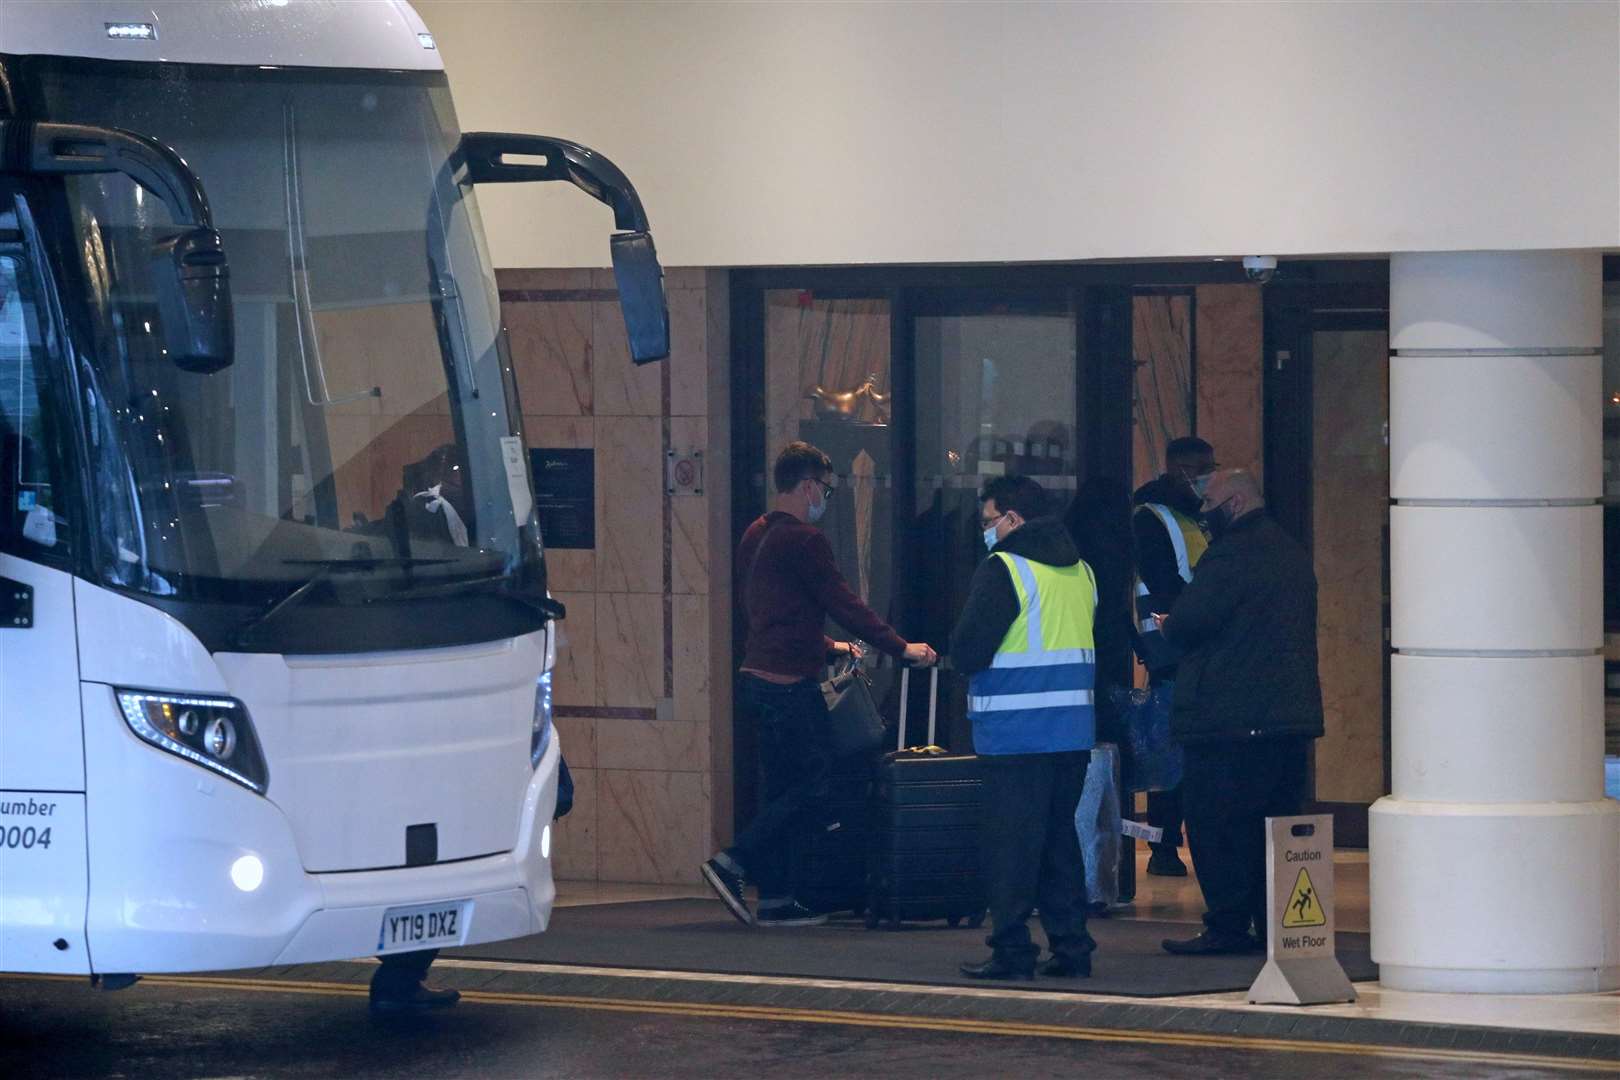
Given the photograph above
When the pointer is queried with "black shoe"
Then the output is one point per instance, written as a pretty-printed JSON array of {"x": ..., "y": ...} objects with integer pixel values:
[
  {"x": 998, "y": 968},
  {"x": 418, "y": 998},
  {"x": 791, "y": 913},
  {"x": 1164, "y": 862},
  {"x": 1068, "y": 967},
  {"x": 728, "y": 886},
  {"x": 1210, "y": 943}
]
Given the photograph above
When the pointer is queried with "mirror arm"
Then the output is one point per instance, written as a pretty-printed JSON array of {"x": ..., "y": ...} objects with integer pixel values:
[
  {"x": 581, "y": 166},
  {"x": 58, "y": 149}
]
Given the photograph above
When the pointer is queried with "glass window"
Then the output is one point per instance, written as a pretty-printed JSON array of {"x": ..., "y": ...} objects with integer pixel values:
[
  {"x": 362, "y": 424},
  {"x": 32, "y": 503},
  {"x": 1611, "y": 512},
  {"x": 1162, "y": 350},
  {"x": 828, "y": 383}
]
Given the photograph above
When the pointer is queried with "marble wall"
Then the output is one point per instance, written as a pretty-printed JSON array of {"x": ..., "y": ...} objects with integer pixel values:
[
  {"x": 1350, "y": 511},
  {"x": 635, "y": 683}
]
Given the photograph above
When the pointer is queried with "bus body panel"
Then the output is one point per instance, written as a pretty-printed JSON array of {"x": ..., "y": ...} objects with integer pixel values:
[
  {"x": 42, "y": 871},
  {"x": 123, "y": 642},
  {"x": 360, "y": 747},
  {"x": 163, "y": 897},
  {"x": 42, "y": 743}
]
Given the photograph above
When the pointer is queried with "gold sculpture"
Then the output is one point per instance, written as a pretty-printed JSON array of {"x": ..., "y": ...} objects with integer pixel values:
[{"x": 848, "y": 404}]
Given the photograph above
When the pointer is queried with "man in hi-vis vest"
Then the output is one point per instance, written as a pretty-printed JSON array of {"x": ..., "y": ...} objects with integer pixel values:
[
  {"x": 1025, "y": 639},
  {"x": 1169, "y": 542}
]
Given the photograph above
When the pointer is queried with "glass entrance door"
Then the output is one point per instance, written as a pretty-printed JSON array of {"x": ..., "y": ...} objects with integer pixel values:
[{"x": 995, "y": 379}]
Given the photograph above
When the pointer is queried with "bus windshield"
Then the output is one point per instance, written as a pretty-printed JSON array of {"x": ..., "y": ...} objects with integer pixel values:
[{"x": 368, "y": 427}]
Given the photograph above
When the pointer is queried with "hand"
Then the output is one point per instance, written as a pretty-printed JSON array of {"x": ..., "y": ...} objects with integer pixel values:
[
  {"x": 849, "y": 649},
  {"x": 920, "y": 655},
  {"x": 1159, "y": 619}
]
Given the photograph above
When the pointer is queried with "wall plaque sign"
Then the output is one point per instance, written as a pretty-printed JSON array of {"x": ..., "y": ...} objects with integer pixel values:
[{"x": 565, "y": 496}]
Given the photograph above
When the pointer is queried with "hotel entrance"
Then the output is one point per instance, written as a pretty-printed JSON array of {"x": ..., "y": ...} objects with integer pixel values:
[{"x": 923, "y": 383}]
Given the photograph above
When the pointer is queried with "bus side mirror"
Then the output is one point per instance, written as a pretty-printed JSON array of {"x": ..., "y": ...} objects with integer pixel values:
[
  {"x": 194, "y": 300},
  {"x": 641, "y": 295},
  {"x": 635, "y": 263}
]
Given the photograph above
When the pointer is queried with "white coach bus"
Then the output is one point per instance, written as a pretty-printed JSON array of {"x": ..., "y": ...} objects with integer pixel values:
[{"x": 275, "y": 638}]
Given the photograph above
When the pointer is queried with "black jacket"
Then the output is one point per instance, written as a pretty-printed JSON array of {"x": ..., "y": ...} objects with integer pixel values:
[
  {"x": 1246, "y": 627},
  {"x": 992, "y": 602},
  {"x": 1156, "y": 556},
  {"x": 1099, "y": 521}
]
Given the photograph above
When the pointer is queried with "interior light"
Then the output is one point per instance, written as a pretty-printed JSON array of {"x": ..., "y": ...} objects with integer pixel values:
[
  {"x": 247, "y": 873},
  {"x": 132, "y": 31},
  {"x": 426, "y": 40},
  {"x": 545, "y": 843}
]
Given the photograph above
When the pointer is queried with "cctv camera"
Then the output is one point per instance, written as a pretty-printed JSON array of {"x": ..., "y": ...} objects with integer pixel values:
[{"x": 1260, "y": 268}]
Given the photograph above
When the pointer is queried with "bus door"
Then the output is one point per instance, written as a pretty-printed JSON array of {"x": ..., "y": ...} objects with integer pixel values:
[{"x": 43, "y": 876}]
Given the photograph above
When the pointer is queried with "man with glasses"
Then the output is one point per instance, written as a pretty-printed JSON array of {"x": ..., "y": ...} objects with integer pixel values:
[
  {"x": 787, "y": 585},
  {"x": 1026, "y": 640}
]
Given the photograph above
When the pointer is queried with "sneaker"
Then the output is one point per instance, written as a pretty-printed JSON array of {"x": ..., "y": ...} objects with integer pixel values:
[
  {"x": 790, "y": 913},
  {"x": 728, "y": 886},
  {"x": 1164, "y": 862}
]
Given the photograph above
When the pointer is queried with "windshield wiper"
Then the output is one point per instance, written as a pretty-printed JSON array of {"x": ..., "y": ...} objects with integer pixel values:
[{"x": 327, "y": 567}]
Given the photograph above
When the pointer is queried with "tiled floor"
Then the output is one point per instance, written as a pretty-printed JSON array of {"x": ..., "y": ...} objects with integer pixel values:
[
  {"x": 1178, "y": 900},
  {"x": 580, "y": 893}
]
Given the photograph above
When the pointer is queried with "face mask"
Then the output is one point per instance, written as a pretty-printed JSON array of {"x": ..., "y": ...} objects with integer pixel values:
[
  {"x": 1200, "y": 484},
  {"x": 1218, "y": 519},
  {"x": 990, "y": 534},
  {"x": 817, "y": 510}
]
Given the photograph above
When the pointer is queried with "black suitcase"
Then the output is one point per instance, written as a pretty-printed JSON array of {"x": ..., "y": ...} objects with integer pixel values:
[
  {"x": 924, "y": 860},
  {"x": 832, "y": 857}
]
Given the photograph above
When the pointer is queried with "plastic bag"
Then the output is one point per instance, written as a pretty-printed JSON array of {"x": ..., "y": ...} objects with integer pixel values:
[
  {"x": 1096, "y": 822},
  {"x": 1156, "y": 758}
]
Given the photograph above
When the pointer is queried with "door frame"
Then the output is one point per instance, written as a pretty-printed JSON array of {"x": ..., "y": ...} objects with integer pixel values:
[
  {"x": 1102, "y": 300},
  {"x": 1297, "y": 305}
]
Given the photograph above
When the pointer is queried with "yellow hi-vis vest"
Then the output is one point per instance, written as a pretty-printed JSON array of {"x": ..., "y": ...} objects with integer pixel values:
[{"x": 1036, "y": 697}]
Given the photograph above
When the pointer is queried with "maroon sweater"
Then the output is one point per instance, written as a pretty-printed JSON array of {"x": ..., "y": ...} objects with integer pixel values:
[{"x": 794, "y": 587}]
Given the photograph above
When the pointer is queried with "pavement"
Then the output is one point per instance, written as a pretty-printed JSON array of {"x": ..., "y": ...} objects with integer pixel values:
[{"x": 313, "y": 1021}]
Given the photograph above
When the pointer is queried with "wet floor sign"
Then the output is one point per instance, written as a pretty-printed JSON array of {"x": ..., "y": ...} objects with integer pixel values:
[
  {"x": 1304, "y": 906},
  {"x": 1301, "y": 967}
]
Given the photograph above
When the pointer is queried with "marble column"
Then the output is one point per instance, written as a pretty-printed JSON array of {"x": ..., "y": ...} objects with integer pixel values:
[{"x": 1495, "y": 863}]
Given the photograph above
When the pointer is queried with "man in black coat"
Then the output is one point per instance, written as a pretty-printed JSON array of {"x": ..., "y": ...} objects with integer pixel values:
[{"x": 1247, "y": 704}]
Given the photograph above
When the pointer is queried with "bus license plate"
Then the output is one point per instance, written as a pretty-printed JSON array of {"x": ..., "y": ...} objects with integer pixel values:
[{"x": 423, "y": 926}]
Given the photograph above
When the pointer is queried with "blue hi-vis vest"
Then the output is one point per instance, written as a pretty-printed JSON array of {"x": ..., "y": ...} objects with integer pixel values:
[{"x": 1036, "y": 697}]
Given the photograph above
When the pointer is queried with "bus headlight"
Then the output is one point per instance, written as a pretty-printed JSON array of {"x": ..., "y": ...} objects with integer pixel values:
[
  {"x": 212, "y": 732},
  {"x": 540, "y": 734}
]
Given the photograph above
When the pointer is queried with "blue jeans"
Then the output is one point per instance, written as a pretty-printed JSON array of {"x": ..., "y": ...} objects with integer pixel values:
[{"x": 794, "y": 760}]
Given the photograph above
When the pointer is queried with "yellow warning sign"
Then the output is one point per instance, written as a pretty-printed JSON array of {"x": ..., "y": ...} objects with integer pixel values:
[{"x": 1304, "y": 908}]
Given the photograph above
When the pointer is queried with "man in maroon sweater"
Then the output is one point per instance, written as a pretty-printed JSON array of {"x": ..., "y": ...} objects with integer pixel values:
[{"x": 788, "y": 585}]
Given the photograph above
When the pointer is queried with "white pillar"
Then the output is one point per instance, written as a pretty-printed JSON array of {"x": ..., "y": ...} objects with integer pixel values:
[{"x": 1495, "y": 863}]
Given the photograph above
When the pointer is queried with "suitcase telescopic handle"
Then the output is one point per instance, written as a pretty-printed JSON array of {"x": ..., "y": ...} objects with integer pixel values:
[{"x": 905, "y": 698}]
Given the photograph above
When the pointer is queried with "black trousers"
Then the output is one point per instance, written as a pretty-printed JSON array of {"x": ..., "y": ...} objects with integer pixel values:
[
  {"x": 794, "y": 761},
  {"x": 400, "y": 972},
  {"x": 1164, "y": 812},
  {"x": 1031, "y": 854},
  {"x": 1228, "y": 791}
]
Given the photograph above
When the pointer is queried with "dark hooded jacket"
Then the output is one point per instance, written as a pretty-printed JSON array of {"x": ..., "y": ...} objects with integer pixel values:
[{"x": 992, "y": 602}]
